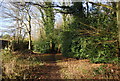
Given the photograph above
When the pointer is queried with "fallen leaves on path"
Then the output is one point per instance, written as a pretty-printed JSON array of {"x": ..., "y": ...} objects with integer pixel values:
[{"x": 54, "y": 66}]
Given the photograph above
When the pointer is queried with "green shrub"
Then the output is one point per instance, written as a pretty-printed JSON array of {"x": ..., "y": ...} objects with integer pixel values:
[
  {"x": 42, "y": 46},
  {"x": 89, "y": 47},
  {"x": 49, "y": 44},
  {"x": 100, "y": 70},
  {"x": 66, "y": 43},
  {"x": 73, "y": 45}
]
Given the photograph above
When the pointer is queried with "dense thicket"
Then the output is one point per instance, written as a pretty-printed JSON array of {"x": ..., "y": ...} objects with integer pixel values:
[
  {"x": 19, "y": 46},
  {"x": 91, "y": 35}
]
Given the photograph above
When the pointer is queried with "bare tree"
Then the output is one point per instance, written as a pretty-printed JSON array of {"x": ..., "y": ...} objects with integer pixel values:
[
  {"x": 14, "y": 16},
  {"x": 23, "y": 17}
]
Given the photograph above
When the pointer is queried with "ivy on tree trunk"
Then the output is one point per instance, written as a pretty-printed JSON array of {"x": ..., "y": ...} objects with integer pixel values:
[{"x": 118, "y": 24}]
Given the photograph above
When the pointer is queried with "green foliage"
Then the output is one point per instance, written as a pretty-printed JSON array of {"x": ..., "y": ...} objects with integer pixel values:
[
  {"x": 100, "y": 70},
  {"x": 50, "y": 44},
  {"x": 49, "y": 18},
  {"x": 79, "y": 47},
  {"x": 91, "y": 39},
  {"x": 66, "y": 43},
  {"x": 116, "y": 60},
  {"x": 42, "y": 46},
  {"x": 88, "y": 47},
  {"x": 103, "y": 52}
]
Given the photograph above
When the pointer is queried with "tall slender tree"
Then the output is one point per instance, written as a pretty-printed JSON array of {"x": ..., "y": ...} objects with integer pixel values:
[{"x": 118, "y": 24}]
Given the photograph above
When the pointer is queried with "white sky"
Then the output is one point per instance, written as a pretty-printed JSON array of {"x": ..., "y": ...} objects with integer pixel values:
[{"x": 4, "y": 24}]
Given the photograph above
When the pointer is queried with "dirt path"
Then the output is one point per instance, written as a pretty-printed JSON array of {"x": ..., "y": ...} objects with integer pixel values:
[
  {"x": 47, "y": 71},
  {"x": 49, "y": 66},
  {"x": 57, "y": 67}
]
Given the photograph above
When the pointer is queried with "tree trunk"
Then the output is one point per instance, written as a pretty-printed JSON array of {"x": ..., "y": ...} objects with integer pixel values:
[
  {"x": 118, "y": 24},
  {"x": 30, "y": 41},
  {"x": 29, "y": 33}
]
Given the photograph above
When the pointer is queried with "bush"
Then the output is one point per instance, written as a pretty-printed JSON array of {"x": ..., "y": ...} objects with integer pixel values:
[
  {"x": 66, "y": 43},
  {"x": 20, "y": 46},
  {"x": 74, "y": 45},
  {"x": 88, "y": 47},
  {"x": 42, "y": 46},
  {"x": 50, "y": 44}
]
